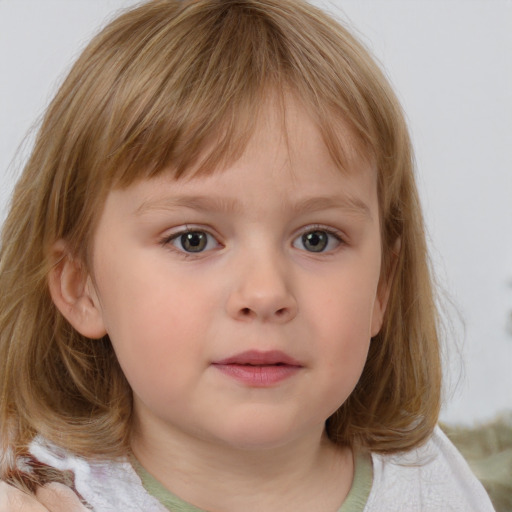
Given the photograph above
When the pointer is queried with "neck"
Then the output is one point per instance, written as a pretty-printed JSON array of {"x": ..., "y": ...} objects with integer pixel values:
[{"x": 213, "y": 476}]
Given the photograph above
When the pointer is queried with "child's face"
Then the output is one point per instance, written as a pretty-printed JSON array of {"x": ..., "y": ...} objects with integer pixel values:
[{"x": 241, "y": 304}]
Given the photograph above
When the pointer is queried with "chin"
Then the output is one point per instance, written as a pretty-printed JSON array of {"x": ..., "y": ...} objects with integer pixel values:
[{"x": 261, "y": 434}]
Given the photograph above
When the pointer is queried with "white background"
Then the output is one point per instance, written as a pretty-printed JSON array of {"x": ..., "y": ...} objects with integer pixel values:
[{"x": 451, "y": 64}]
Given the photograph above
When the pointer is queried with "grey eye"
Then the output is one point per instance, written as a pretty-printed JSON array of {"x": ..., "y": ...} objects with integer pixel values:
[
  {"x": 193, "y": 241},
  {"x": 317, "y": 240}
]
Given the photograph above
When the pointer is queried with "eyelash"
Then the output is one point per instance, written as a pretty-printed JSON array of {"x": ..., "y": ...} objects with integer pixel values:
[
  {"x": 331, "y": 234},
  {"x": 168, "y": 241}
]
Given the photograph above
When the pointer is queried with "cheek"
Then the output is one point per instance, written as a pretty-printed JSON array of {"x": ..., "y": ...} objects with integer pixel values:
[
  {"x": 345, "y": 307},
  {"x": 347, "y": 342},
  {"x": 155, "y": 321},
  {"x": 342, "y": 322},
  {"x": 344, "y": 363}
]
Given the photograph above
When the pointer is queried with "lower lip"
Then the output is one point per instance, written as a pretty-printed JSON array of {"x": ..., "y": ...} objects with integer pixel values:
[{"x": 258, "y": 376}]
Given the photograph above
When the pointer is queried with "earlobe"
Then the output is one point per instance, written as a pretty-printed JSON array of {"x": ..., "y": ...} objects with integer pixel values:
[
  {"x": 384, "y": 290},
  {"x": 73, "y": 293}
]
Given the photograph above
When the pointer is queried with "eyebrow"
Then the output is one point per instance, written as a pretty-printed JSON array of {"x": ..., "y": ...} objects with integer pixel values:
[
  {"x": 350, "y": 204},
  {"x": 201, "y": 203}
]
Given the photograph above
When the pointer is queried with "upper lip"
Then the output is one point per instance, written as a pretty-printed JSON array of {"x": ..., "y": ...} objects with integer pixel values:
[{"x": 260, "y": 358}]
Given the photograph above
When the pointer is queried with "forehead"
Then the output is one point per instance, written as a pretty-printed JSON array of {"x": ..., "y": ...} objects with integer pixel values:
[
  {"x": 280, "y": 113},
  {"x": 285, "y": 160},
  {"x": 292, "y": 121},
  {"x": 285, "y": 133}
]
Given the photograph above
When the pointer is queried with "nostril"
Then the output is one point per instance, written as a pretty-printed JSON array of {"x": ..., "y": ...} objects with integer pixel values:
[
  {"x": 281, "y": 312},
  {"x": 246, "y": 312}
]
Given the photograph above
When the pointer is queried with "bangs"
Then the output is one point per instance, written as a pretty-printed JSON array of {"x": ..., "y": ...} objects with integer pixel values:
[{"x": 186, "y": 93}]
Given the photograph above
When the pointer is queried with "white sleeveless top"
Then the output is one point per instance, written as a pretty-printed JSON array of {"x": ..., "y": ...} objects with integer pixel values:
[{"x": 432, "y": 478}]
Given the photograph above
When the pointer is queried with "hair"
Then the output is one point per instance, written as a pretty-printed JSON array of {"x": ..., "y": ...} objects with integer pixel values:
[{"x": 172, "y": 86}]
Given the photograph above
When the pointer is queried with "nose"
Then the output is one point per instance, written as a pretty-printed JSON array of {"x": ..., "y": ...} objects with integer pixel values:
[{"x": 262, "y": 292}]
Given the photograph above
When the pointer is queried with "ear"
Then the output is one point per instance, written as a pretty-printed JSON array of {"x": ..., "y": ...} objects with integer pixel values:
[
  {"x": 73, "y": 293},
  {"x": 384, "y": 290}
]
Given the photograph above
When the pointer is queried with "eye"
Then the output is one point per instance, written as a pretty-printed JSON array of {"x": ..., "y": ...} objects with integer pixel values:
[
  {"x": 192, "y": 241},
  {"x": 317, "y": 240}
]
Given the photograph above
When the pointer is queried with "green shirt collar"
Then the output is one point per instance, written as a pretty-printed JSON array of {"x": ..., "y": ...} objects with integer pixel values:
[{"x": 354, "y": 502}]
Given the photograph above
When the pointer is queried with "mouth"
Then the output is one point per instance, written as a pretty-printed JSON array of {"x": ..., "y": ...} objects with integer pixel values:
[
  {"x": 259, "y": 369},
  {"x": 257, "y": 358}
]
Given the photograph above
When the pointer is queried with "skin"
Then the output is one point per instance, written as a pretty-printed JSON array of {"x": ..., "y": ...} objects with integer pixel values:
[
  {"x": 53, "y": 497},
  {"x": 257, "y": 284}
]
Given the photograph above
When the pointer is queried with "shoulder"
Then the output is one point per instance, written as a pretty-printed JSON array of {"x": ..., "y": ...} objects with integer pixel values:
[
  {"x": 428, "y": 479},
  {"x": 107, "y": 486}
]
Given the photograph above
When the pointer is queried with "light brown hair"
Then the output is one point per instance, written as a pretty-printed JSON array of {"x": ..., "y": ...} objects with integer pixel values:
[{"x": 176, "y": 85}]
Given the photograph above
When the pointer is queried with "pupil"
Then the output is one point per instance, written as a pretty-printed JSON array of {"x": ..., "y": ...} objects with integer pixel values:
[
  {"x": 316, "y": 241},
  {"x": 194, "y": 241}
]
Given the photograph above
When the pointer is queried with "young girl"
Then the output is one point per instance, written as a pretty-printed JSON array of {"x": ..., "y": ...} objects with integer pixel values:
[{"x": 215, "y": 289}]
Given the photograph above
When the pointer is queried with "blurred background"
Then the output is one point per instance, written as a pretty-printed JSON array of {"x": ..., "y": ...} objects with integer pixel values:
[{"x": 451, "y": 64}]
